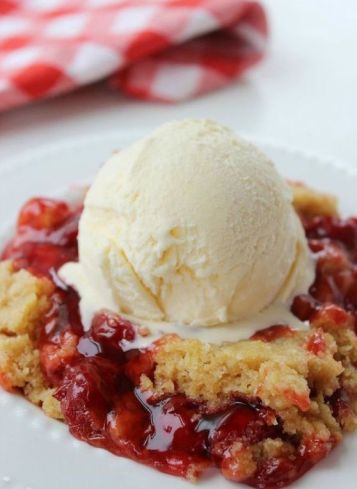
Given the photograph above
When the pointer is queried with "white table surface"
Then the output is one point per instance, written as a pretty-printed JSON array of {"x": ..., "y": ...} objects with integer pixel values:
[{"x": 304, "y": 94}]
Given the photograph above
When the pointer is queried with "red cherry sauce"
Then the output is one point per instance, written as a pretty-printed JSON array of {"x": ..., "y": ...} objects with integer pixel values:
[
  {"x": 334, "y": 291},
  {"x": 97, "y": 373}
]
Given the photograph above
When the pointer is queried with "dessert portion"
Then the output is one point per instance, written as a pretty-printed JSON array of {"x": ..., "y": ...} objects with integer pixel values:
[{"x": 139, "y": 377}]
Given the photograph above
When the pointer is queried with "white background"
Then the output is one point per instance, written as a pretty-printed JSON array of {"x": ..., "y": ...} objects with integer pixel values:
[{"x": 304, "y": 94}]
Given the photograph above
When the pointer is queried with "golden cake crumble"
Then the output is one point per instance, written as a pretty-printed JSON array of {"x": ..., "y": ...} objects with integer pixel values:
[
  {"x": 24, "y": 299},
  {"x": 310, "y": 202},
  {"x": 282, "y": 373}
]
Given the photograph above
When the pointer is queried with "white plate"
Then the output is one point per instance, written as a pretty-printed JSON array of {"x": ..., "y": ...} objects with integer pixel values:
[{"x": 37, "y": 452}]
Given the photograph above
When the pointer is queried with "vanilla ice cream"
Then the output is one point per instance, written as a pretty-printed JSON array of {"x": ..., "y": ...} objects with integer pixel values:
[{"x": 190, "y": 226}]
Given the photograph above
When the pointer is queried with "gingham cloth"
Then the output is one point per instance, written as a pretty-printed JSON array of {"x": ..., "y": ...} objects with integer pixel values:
[{"x": 165, "y": 50}]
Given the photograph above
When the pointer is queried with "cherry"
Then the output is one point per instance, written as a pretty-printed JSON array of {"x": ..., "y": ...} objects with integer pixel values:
[
  {"x": 273, "y": 333},
  {"x": 345, "y": 231},
  {"x": 43, "y": 214},
  {"x": 316, "y": 343},
  {"x": 139, "y": 363},
  {"x": 40, "y": 258},
  {"x": 331, "y": 316},
  {"x": 242, "y": 421},
  {"x": 128, "y": 425},
  {"x": 174, "y": 425},
  {"x": 111, "y": 331},
  {"x": 46, "y": 237},
  {"x": 86, "y": 397},
  {"x": 304, "y": 306}
]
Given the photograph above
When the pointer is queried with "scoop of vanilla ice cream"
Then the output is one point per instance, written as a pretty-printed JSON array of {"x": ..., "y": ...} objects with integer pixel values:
[{"x": 192, "y": 226}]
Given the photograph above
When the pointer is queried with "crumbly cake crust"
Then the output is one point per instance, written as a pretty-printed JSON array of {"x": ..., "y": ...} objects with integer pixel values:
[
  {"x": 24, "y": 299},
  {"x": 309, "y": 202},
  {"x": 281, "y": 373}
]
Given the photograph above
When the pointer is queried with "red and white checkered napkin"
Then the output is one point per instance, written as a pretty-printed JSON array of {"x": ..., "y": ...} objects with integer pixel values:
[{"x": 166, "y": 50}]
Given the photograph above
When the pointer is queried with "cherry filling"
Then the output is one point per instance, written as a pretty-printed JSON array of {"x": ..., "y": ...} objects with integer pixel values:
[
  {"x": 334, "y": 292},
  {"x": 46, "y": 236},
  {"x": 97, "y": 373}
]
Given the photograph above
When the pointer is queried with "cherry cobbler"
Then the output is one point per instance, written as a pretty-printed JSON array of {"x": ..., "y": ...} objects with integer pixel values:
[{"x": 262, "y": 410}]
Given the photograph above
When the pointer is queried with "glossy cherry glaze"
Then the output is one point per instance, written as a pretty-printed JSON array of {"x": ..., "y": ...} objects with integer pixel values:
[
  {"x": 97, "y": 373},
  {"x": 334, "y": 292}
]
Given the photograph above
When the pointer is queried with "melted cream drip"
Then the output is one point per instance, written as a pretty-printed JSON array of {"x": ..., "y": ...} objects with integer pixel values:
[{"x": 92, "y": 302}]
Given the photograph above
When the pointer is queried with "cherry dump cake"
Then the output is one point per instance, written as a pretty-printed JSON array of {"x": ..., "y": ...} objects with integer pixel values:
[{"x": 263, "y": 409}]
